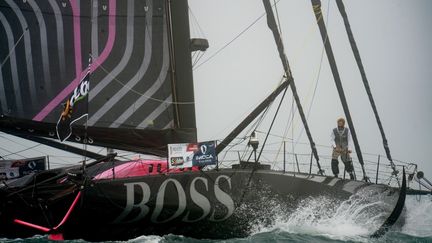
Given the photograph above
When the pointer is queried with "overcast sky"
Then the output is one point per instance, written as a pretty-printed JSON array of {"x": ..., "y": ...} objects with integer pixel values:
[{"x": 394, "y": 38}]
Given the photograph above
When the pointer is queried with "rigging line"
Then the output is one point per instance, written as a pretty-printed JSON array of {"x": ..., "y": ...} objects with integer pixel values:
[
  {"x": 292, "y": 132},
  {"x": 139, "y": 93},
  {"x": 278, "y": 21},
  {"x": 229, "y": 43},
  {"x": 232, "y": 40},
  {"x": 285, "y": 134},
  {"x": 100, "y": 150},
  {"x": 17, "y": 153},
  {"x": 197, "y": 22},
  {"x": 296, "y": 54},
  {"x": 200, "y": 57},
  {"x": 195, "y": 57},
  {"x": 271, "y": 22},
  {"x": 274, "y": 135},
  {"x": 357, "y": 57},
  {"x": 253, "y": 127},
  {"x": 32, "y": 148},
  {"x": 271, "y": 125},
  {"x": 263, "y": 145},
  {"x": 9, "y": 152},
  {"x": 13, "y": 48},
  {"x": 242, "y": 115},
  {"x": 338, "y": 82},
  {"x": 318, "y": 75}
]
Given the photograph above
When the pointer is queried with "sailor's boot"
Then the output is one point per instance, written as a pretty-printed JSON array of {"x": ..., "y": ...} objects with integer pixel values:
[
  {"x": 335, "y": 167},
  {"x": 349, "y": 168}
]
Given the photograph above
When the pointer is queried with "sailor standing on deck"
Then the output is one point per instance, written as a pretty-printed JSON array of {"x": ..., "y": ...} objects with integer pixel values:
[{"x": 341, "y": 143}]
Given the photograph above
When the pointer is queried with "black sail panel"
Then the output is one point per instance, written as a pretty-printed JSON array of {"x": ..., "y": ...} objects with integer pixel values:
[{"x": 44, "y": 53}]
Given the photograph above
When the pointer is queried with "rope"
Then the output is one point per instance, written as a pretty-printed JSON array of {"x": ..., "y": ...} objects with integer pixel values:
[
  {"x": 318, "y": 74},
  {"x": 13, "y": 48},
  {"x": 365, "y": 80},
  {"x": 330, "y": 56},
  {"x": 232, "y": 40},
  {"x": 200, "y": 30}
]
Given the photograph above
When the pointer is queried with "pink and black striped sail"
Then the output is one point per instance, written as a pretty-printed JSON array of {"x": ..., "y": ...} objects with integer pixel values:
[{"x": 135, "y": 101}]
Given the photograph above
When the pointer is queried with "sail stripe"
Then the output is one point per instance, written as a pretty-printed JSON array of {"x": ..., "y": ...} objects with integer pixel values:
[
  {"x": 12, "y": 61},
  {"x": 28, "y": 49},
  {"x": 150, "y": 105},
  {"x": 107, "y": 50},
  {"x": 125, "y": 59},
  {"x": 169, "y": 125},
  {"x": 94, "y": 33},
  {"x": 149, "y": 93},
  {"x": 133, "y": 81},
  {"x": 44, "y": 47},
  {"x": 60, "y": 37},
  {"x": 150, "y": 118},
  {"x": 3, "y": 100}
]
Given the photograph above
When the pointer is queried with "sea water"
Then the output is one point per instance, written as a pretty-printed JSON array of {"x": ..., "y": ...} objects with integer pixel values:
[{"x": 320, "y": 220}]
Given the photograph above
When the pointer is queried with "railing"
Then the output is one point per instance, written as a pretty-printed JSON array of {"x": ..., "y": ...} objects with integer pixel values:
[{"x": 377, "y": 167}]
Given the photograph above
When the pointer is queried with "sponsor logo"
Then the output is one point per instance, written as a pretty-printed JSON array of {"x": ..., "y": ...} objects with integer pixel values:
[
  {"x": 204, "y": 157},
  {"x": 203, "y": 149},
  {"x": 31, "y": 165},
  {"x": 138, "y": 208},
  {"x": 176, "y": 149},
  {"x": 78, "y": 94},
  {"x": 177, "y": 161},
  {"x": 192, "y": 147}
]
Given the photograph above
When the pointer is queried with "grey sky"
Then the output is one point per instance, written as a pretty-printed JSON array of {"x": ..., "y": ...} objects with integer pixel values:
[{"x": 394, "y": 38}]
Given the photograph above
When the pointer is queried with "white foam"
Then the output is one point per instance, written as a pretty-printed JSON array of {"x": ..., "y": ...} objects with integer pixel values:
[
  {"x": 147, "y": 239},
  {"x": 419, "y": 216},
  {"x": 354, "y": 219}
]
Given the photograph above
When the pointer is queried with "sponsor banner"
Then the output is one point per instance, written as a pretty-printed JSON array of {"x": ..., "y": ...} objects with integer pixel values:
[
  {"x": 75, "y": 107},
  {"x": 184, "y": 155},
  {"x": 10, "y": 169}
]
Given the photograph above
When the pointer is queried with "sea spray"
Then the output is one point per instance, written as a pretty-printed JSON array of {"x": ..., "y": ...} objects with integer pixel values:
[
  {"x": 320, "y": 219},
  {"x": 418, "y": 216},
  {"x": 352, "y": 219}
]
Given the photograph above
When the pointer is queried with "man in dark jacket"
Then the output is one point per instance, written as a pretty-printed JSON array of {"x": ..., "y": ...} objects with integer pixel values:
[{"x": 341, "y": 143}]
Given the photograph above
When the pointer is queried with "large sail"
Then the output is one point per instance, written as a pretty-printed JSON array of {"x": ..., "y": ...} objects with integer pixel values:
[{"x": 135, "y": 102}]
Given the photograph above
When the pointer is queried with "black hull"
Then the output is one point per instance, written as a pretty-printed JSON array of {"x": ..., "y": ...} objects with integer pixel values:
[{"x": 214, "y": 204}]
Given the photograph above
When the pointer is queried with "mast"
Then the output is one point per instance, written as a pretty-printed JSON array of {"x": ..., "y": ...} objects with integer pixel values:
[
  {"x": 316, "y": 6},
  {"x": 181, "y": 63},
  {"x": 356, "y": 53},
  {"x": 271, "y": 22}
]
